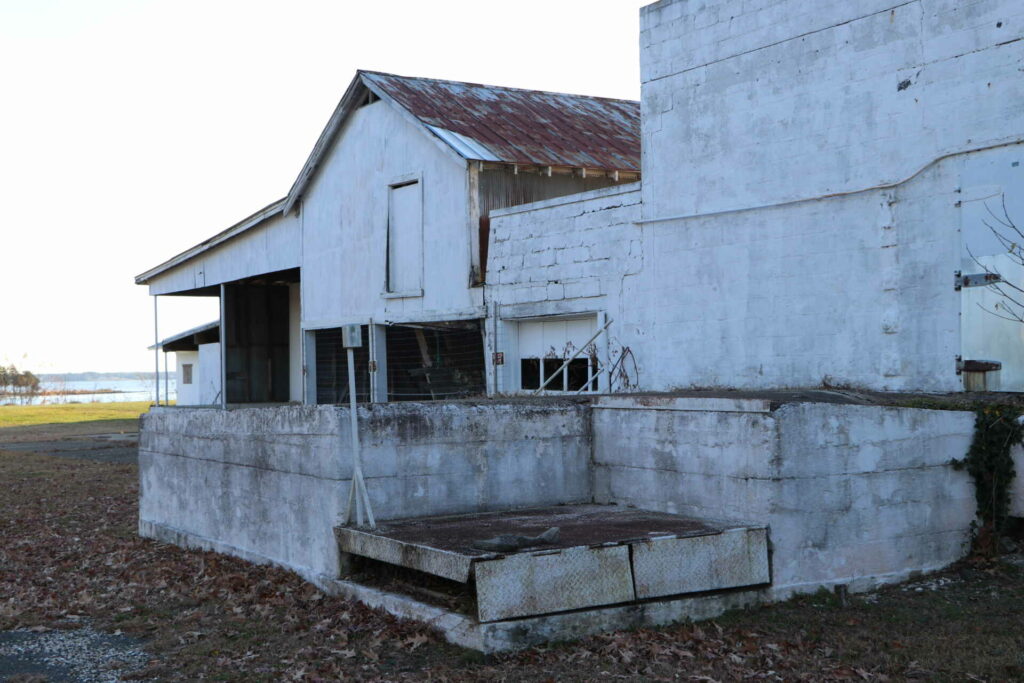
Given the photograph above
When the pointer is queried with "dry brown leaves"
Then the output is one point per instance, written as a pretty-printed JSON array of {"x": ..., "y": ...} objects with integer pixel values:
[{"x": 70, "y": 548}]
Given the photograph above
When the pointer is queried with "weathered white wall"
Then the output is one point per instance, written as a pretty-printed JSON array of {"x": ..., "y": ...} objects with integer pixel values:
[
  {"x": 854, "y": 291},
  {"x": 209, "y": 374},
  {"x": 851, "y": 494},
  {"x": 565, "y": 256},
  {"x": 187, "y": 394},
  {"x": 269, "y": 484},
  {"x": 345, "y": 218},
  {"x": 755, "y": 117},
  {"x": 269, "y": 247},
  {"x": 784, "y": 100}
]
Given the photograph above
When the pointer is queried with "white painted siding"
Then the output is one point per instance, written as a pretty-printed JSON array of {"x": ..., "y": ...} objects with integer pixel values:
[
  {"x": 272, "y": 246},
  {"x": 208, "y": 379},
  {"x": 345, "y": 224},
  {"x": 188, "y": 393}
]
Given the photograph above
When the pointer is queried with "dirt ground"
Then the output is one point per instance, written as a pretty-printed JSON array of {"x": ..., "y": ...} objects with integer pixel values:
[{"x": 71, "y": 566}]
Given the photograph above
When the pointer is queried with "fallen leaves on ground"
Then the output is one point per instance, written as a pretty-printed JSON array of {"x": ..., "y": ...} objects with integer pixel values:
[{"x": 70, "y": 549}]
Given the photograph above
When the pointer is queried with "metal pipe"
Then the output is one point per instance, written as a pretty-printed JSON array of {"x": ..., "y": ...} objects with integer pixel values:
[
  {"x": 223, "y": 336},
  {"x": 361, "y": 496},
  {"x": 570, "y": 358},
  {"x": 156, "y": 351},
  {"x": 167, "y": 383}
]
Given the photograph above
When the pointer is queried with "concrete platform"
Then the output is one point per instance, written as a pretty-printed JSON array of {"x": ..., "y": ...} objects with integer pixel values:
[{"x": 605, "y": 555}]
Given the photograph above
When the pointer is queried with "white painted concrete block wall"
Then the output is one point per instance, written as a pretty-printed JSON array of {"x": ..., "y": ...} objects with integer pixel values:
[
  {"x": 269, "y": 484},
  {"x": 853, "y": 291},
  {"x": 785, "y": 104},
  {"x": 851, "y": 494},
  {"x": 780, "y": 100},
  {"x": 557, "y": 257}
]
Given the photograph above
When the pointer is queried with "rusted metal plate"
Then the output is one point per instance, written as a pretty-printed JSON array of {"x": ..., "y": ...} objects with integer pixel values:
[
  {"x": 444, "y": 563},
  {"x": 670, "y": 565},
  {"x": 512, "y": 125},
  {"x": 552, "y": 581}
]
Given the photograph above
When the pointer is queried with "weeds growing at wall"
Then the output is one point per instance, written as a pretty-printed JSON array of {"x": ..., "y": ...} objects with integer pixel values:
[{"x": 988, "y": 461}]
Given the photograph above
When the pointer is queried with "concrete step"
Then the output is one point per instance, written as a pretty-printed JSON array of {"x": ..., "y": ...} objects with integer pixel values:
[{"x": 604, "y": 555}]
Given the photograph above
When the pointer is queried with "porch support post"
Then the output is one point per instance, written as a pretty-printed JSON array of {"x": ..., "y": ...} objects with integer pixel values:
[
  {"x": 378, "y": 363},
  {"x": 223, "y": 353},
  {"x": 156, "y": 353}
]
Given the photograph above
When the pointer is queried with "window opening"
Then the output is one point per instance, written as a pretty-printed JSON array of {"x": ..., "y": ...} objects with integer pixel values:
[{"x": 435, "y": 361}]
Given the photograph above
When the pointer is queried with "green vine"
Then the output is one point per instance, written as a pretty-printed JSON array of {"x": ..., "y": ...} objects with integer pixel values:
[{"x": 996, "y": 431}]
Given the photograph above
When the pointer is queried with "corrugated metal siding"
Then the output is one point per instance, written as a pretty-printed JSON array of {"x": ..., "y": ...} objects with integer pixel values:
[
  {"x": 500, "y": 188},
  {"x": 522, "y": 126}
]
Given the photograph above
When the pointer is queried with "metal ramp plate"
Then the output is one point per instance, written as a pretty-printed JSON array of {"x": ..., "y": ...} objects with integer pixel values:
[
  {"x": 436, "y": 561},
  {"x": 671, "y": 565},
  {"x": 552, "y": 581},
  {"x": 604, "y": 555}
]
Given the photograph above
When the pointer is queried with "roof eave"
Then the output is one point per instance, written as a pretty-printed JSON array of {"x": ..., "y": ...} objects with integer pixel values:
[
  {"x": 346, "y": 105},
  {"x": 238, "y": 228}
]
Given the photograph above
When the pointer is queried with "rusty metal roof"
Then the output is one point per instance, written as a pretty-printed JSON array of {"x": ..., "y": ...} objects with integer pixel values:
[{"x": 490, "y": 123}]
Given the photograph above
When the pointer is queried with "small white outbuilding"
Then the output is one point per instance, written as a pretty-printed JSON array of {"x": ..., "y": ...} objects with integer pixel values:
[{"x": 197, "y": 364}]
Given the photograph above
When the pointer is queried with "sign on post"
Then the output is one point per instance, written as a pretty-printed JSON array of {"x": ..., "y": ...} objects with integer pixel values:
[{"x": 352, "y": 336}]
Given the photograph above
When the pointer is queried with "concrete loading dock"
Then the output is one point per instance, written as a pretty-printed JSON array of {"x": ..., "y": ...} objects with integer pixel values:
[{"x": 604, "y": 555}]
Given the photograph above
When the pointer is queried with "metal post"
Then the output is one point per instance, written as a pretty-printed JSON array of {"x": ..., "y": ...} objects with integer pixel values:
[
  {"x": 167, "y": 383},
  {"x": 223, "y": 336},
  {"x": 156, "y": 351},
  {"x": 358, "y": 498}
]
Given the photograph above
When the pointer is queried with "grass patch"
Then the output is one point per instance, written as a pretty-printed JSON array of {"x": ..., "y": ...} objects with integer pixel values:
[
  {"x": 28, "y": 416},
  {"x": 51, "y": 422}
]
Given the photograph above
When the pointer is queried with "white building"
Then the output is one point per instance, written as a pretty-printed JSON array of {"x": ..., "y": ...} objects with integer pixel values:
[
  {"x": 196, "y": 364},
  {"x": 812, "y": 182},
  {"x": 813, "y": 176},
  {"x": 387, "y": 226}
]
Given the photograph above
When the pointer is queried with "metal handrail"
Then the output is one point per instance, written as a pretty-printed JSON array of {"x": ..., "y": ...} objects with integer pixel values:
[{"x": 573, "y": 356}]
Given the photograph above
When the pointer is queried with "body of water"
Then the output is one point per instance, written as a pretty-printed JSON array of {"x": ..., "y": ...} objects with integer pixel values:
[{"x": 127, "y": 390}]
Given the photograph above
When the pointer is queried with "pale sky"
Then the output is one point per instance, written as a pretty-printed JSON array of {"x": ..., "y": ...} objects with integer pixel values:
[{"x": 131, "y": 130}]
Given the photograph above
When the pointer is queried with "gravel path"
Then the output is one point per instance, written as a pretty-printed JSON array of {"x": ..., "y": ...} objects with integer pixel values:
[
  {"x": 113, "y": 448},
  {"x": 82, "y": 655}
]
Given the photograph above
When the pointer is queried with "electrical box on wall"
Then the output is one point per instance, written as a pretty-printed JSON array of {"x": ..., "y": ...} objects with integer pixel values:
[{"x": 352, "y": 336}]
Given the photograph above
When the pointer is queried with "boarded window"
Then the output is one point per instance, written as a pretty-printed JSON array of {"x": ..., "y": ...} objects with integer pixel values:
[
  {"x": 186, "y": 373},
  {"x": 544, "y": 347},
  {"x": 405, "y": 238}
]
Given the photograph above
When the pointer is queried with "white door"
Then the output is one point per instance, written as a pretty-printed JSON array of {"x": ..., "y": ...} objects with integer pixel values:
[{"x": 545, "y": 345}]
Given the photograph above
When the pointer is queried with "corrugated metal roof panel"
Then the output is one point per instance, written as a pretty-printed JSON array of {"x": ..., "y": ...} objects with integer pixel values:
[
  {"x": 467, "y": 147},
  {"x": 491, "y": 123}
]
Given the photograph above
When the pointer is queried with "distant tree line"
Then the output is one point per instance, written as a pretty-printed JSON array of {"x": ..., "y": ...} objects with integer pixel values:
[{"x": 18, "y": 383}]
